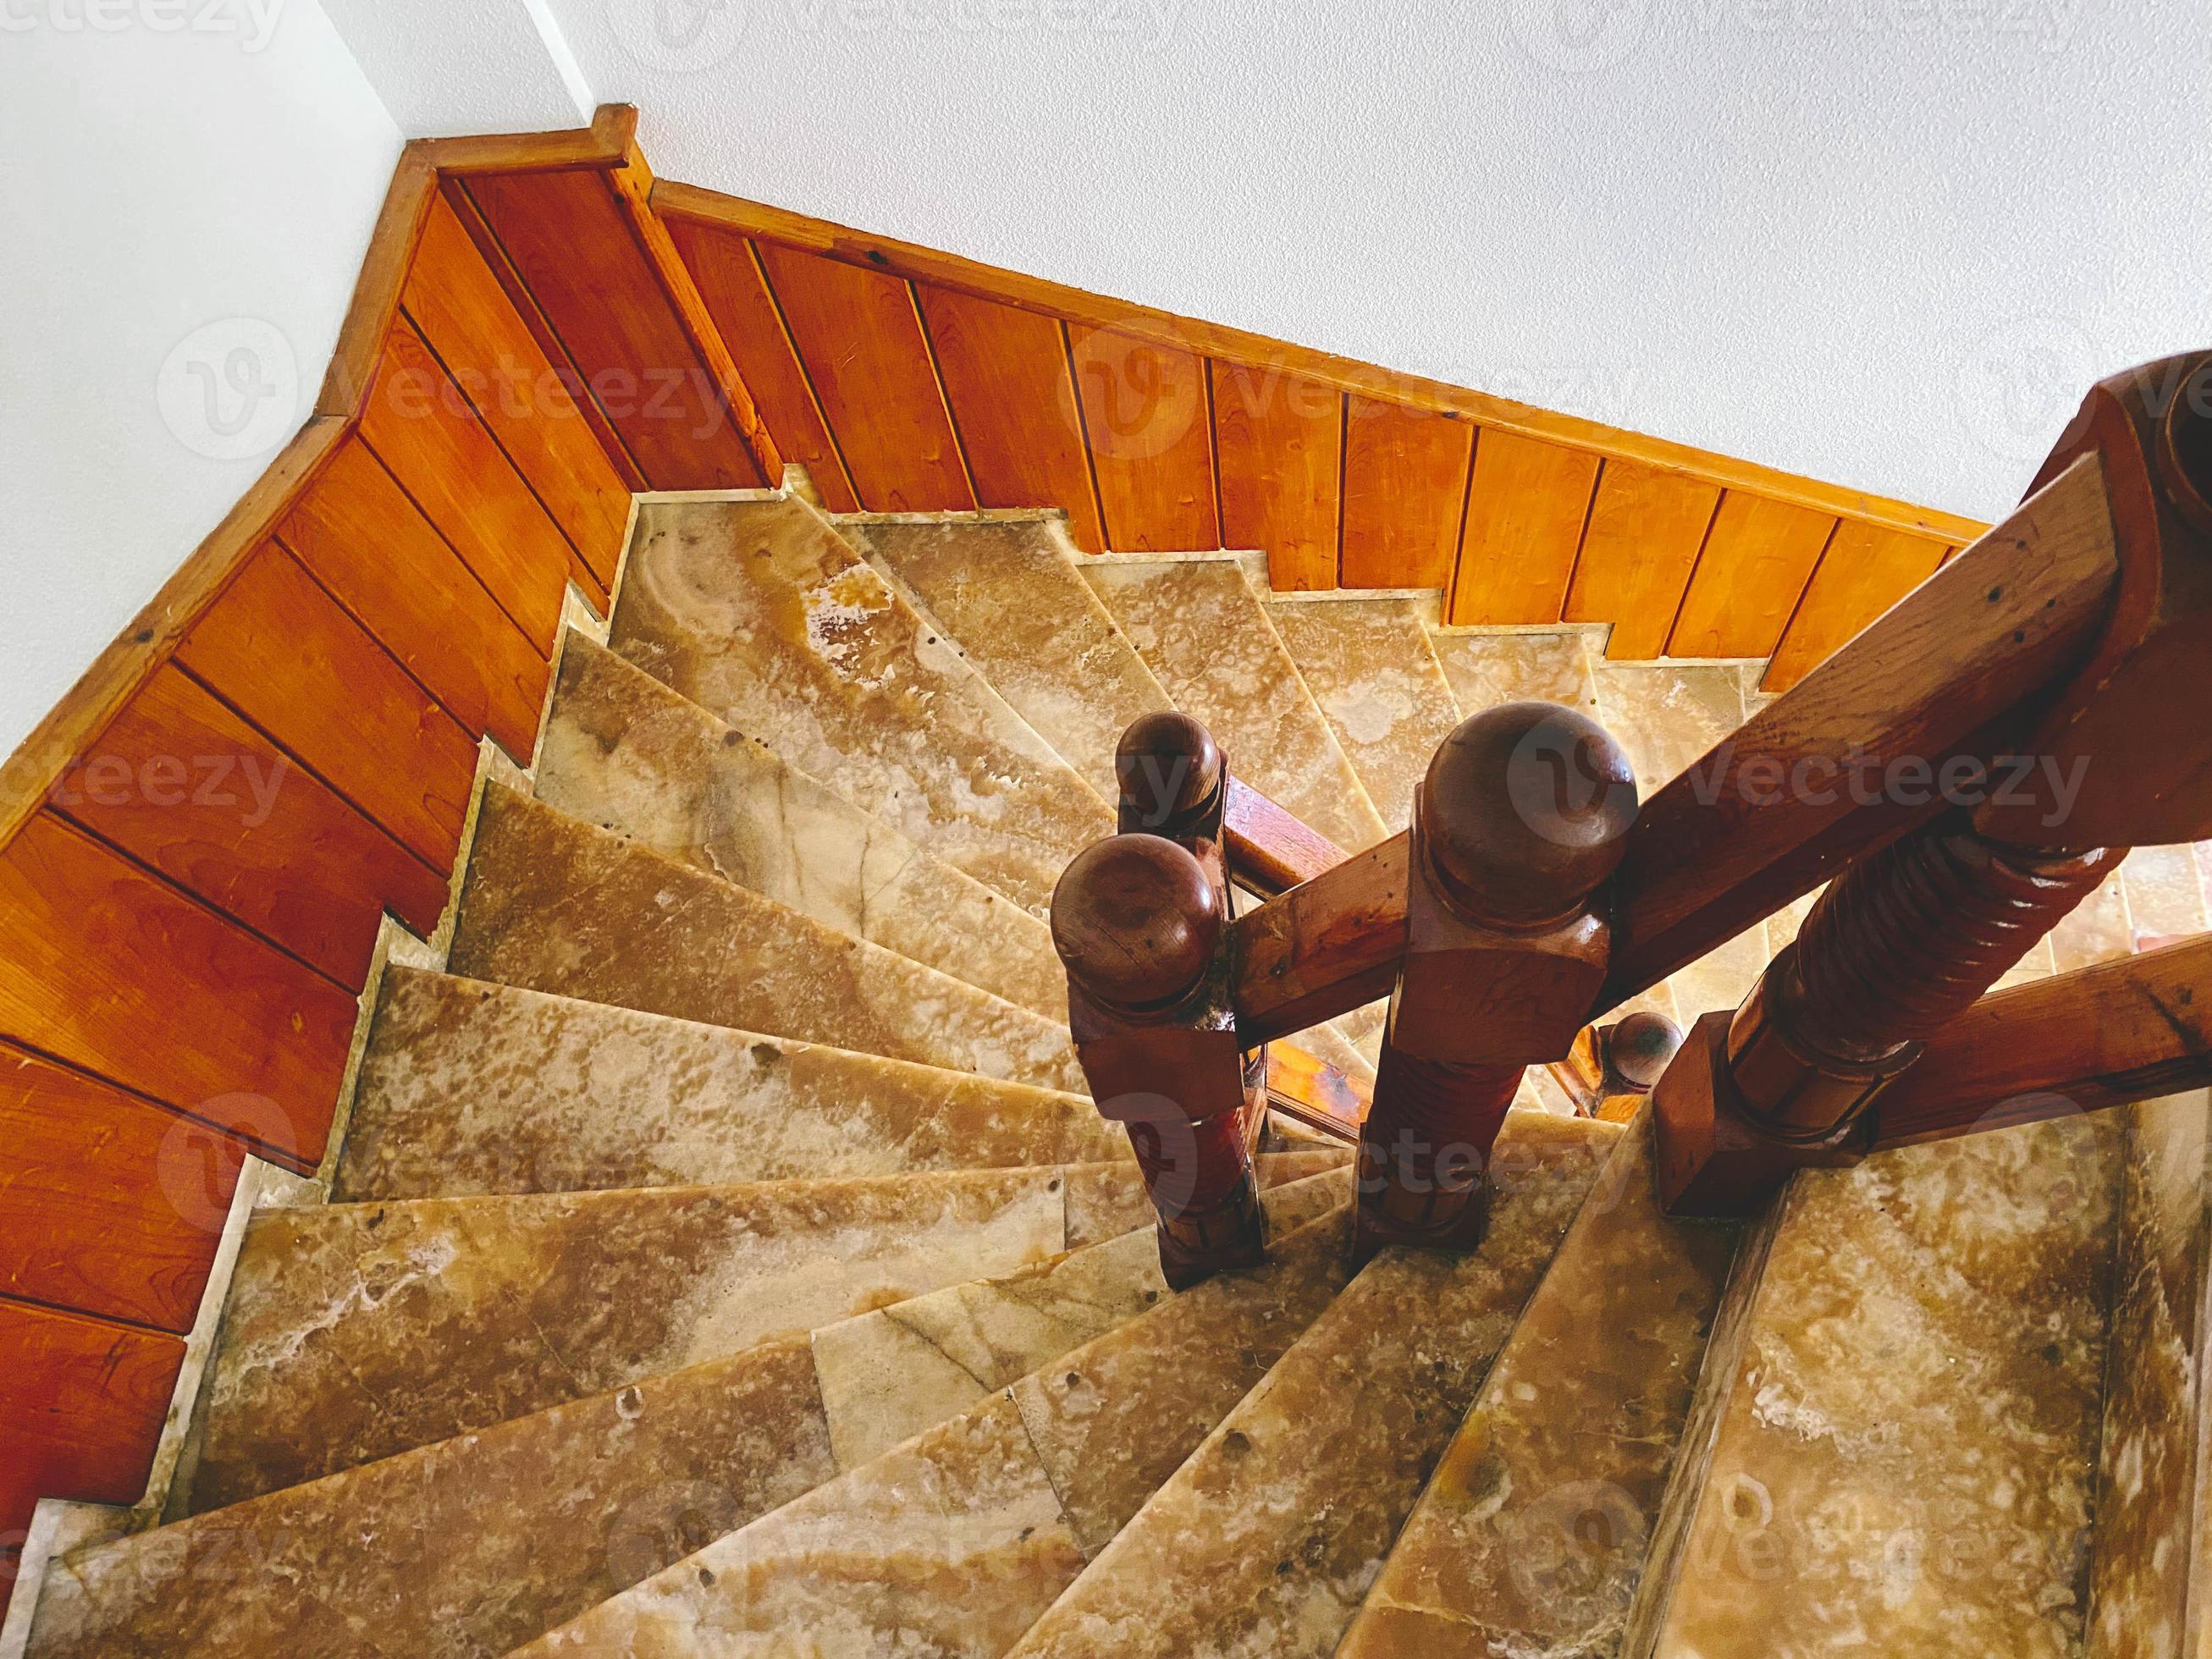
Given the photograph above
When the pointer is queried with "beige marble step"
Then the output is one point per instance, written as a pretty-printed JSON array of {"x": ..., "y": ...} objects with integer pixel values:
[
  {"x": 599, "y": 1493},
  {"x": 1485, "y": 667},
  {"x": 472, "y": 1088},
  {"x": 955, "y": 1541},
  {"x": 1267, "y": 1539},
  {"x": 760, "y": 612},
  {"x": 1896, "y": 1439},
  {"x": 1199, "y": 624},
  {"x": 551, "y": 904},
  {"x": 1531, "y": 1535},
  {"x": 1004, "y": 589},
  {"x": 1369, "y": 664},
  {"x": 623, "y": 751}
]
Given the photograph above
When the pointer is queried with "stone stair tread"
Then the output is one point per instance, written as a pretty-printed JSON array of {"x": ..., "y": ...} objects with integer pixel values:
[
  {"x": 623, "y": 751},
  {"x": 1531, "y": 1534},
  {"x": 762, "y": 613},
  {"x": 1006, "y": 592},
  {"x": 1014, "y": 1494},
  {"x": 1368, "y": 666},
  {"x": 1200, "y": 627},
  {"x": 1487, "y": 668},
  {"x": 470, "y": 1088},
  {"x": 599, "y": 1492},
  {"x": 1267, "y": 1539},
  {"x": 551, "y": 904}
]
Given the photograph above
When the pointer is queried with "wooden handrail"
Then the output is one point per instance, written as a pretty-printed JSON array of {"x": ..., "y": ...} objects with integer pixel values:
[
  {"x": 1325, "y": 947},
  {"x": 1271, "y": 850}
]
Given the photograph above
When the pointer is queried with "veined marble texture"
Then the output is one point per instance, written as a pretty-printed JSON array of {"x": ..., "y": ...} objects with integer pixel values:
[
  {"x": 2166, "y": 892},
  {"x": 1532, "y": 1533},
  {"x": 762, "y": 613},
  {"x": 472, "y": 1088},
  {"x": 1486, "y": 669},
  {"x": 1368, "y": 666},
  {"x": 623, "y": 751},
  {"x": 1267, "y": 1539},
  {"x": 1007, "y": 593},
  {"x": 552, "y": 904},
  {"x": 2150, "y": 1577},
  {"x": 1667, "y": 715},
  {"x": 1202, "y": 629},
  {"x": 956, "y": 1541},
  {"x": 1904, "y": 1457}
]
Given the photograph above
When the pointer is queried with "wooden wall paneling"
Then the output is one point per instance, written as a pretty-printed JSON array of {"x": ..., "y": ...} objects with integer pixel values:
[
  {"x": 1645, "y": 530},
  {"x": 1405, "y": 494},
  {"x": 1757, "y": 560},
  {"x": 81, "y": 1406},
  {"x": 1150, "y": 436},
  {"x": 188, "y": 788},
  {"x": 726, "y": 268},
  {"x": 1279, "y": 440},
  {"x": 463, "y": 314},
  {"x": 424, "y": 431},
  {"x": 366, "y": 542},
  {"x": 1005, "y": 374},
  {"x": 1865, "y": 570},
  {"x": 124, "y": 975},
  {"x": 279, "y": 649},
  {"x": 859, "y": 338},
  {"x": 108, "y": 1203},
  {"x": 1526, "y": 505},
  {"x": 570, "y": 239}
]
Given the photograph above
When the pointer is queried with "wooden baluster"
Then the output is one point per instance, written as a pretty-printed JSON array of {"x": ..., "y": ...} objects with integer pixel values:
[
  {"x": 1517, "y": 825},
  {"x": 1613, "y": 1068}
]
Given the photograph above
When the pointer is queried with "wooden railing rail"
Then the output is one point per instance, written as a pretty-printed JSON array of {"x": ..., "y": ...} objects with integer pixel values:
[{"x": 1271, "y": 850}]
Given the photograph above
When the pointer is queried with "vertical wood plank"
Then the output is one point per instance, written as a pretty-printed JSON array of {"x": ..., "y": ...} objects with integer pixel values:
[
  {"x": 1404, "y": 490},
  {"x": 186, "y": 787},
  {"x": 1645, "y": 529},
  {"x": 81, "y": 1406},
  {"x": 1150, "y": 436},
  {"x": 1527, "y": 505},
  {"x": 862, "y": 343},
  {"x": 1757, "y": 560},
  {"x": 108, "y": 1204},
  {"x": 122, "y": 975},
  {"x": 727, "y": 270},
  {"x": 1005, "y": 374},
  {"x": 1277, "y": 436},
  {"x": 278, "y": 648},
  {"x": 1864, "y": 572}
]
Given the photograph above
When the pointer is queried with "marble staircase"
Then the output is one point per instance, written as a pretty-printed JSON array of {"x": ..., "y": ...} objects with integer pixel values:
[{"x": 724, "y": 1257}]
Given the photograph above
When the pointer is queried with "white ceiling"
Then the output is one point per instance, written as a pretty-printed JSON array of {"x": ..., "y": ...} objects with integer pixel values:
[{"x": 1884, "y": 242}]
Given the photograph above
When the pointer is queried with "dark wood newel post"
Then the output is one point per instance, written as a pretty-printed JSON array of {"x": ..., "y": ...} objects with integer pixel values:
[{"x": 1517, "y": 826}]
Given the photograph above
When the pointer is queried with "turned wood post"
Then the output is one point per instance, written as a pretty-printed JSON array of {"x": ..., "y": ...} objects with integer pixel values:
[
  {"x": 1517, "y": 826},
  {"x": 1140, "y": 922}
]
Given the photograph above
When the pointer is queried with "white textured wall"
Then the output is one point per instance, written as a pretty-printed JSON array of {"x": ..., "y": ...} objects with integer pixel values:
[
  {"x": 447, "y": 67},
  {"x": 186, "y": 211}
]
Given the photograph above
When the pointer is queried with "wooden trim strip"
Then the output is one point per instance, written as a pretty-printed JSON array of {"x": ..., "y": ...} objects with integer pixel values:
[
  {"x": 1239, "y": 346},
  {"x": 606, "y": 144}
]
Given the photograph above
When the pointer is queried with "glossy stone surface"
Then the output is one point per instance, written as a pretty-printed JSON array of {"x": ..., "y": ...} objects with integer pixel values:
[
  {"x": 623, "y": 751},
  {"x": 1486, "y": 669},
  {"x": 552, "y": 904},
  {"x": 762, "y": 613},
  {"x": 1667, "y": 715}
]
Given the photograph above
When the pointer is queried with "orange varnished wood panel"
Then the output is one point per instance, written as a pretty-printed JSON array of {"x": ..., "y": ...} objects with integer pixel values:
[
  {"x": 1005, "y": 373},
  {"x": 1863, "y": 573},
  {"x": 1143, "y": 414},
  {"x": 81, "y": 1406},
  {"x": 1405, "y": 489},
  {"x": 1278, "y": 438},
  {"x": 107, "y": 1203},
  {"x": 859, "y": 336},
  {"x": 1757, "y": 560},
  {"x": 727, "y": 271},
  {"x": 458, "y": 306},
  {"x": 386, "y": 564},
  {"x": 569, "y": 241},
  {"x": 424, "y": 431},
  {"x": 123, "y": 975},
  {"x": 1526, "y": 507},
  {"x": 1645, "y": 529},
  {"x": 279, "y": 649},
  {"x": 183, "y": 785}
]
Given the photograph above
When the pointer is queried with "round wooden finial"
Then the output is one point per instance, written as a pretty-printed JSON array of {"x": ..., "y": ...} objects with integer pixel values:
[
  {"x": 1524, "y": 811},
  {"x": 1640, "y": 1047},
  {"x": 1169, "y": 766},
  {"x": 2184, "y": 449},
  {"x": 1136, "y": 920}
]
